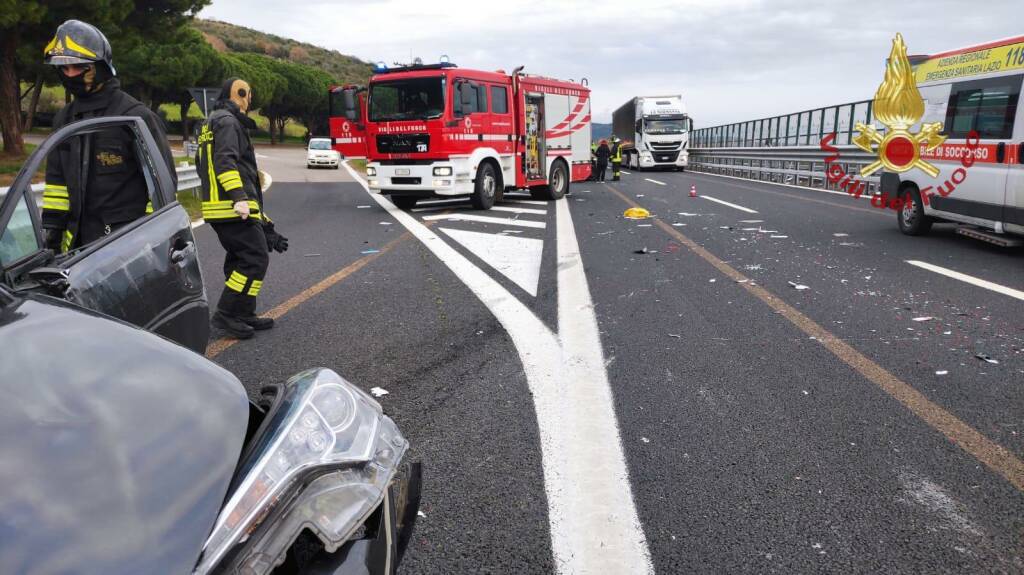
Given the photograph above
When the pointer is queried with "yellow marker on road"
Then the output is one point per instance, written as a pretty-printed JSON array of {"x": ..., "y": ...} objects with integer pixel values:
[{"x": 636, "y": 213}]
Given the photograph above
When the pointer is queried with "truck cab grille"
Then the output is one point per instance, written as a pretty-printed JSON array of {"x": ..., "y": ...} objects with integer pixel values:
[{"x": 403, "y": 143}]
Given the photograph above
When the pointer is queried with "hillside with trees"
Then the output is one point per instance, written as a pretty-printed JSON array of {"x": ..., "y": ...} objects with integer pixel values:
[{"x": 160, "y": 49}]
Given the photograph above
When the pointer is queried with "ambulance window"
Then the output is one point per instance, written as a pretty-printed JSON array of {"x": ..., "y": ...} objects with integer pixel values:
[
  {"x": 988, "y": 106},
  {"x": 499, "y": 100}
]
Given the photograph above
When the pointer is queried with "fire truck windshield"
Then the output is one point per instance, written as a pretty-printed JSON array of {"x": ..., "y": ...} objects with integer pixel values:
[
  {"x": 664, "y": 126},
  {"x": 410, "y": 99}
]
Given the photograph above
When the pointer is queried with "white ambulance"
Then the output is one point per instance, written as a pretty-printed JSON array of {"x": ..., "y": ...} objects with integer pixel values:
[{"x": 971, "y": 89}]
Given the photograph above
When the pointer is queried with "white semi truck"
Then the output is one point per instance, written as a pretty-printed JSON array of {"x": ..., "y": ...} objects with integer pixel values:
[{"x": 655, "y": 132}]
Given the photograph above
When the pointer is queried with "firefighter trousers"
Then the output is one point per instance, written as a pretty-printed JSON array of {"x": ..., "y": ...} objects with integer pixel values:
[
  {"x": 615, "y": 170},
  {"x": 245, "y": 265}
]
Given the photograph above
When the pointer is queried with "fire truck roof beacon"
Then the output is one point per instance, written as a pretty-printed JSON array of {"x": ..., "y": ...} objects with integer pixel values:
[
  {"x": 380, "y": 67},
  {"x": 443, "y": 59},
  {"x": 417, "y": 61}
]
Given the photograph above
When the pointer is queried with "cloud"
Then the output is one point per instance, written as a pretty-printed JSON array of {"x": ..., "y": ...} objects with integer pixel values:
[{"x": 732, "y": 60}]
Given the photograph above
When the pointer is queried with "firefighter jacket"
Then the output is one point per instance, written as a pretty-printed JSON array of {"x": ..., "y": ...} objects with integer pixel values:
[
  {"x": 226, "y": 163},
  {"x": 616, "y": 153},
  {"x": 96, "y": 181}
]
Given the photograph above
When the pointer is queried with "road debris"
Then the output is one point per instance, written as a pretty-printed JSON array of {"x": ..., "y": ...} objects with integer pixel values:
[
  {"x": 311, "y": 255},
  {"x": 362, "y": 207},
  {"x": 605, "y": 233},
  {"x": 678, "y": 224},
  {"x": 636, "y": 214},
  {"x": 645, "y": 440},
  {"x": 725, "y": 227},
  {"x": 645, "y": 251},
  {"x": 798, "y": 286},
  {"x": 387, "y": 223},
  {"x": 986, "y": 358},
  {"x": 924, "y": 318},
  {"x": 941, "y": 372},
  {"x": 841, "y": 235},
  {"x": 379, "y": 391},
  {"x": 712, "y": 280},
  {"x": 364, "y": 252},
  {"x": 687, "y": 214},
  {"x": 751, "y": 221},
  {"x": 778, "y": 237},
  {"x": 643, "y": 225},
  {"x": 420, "y": 513},
  {"x": 675, "y": 335}
]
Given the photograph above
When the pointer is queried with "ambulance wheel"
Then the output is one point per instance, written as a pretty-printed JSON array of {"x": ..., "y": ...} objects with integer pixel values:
[
  {"x": 558, "y": 184},
  {"x": 911, "y": 216},
  {"x": 404, "y": 202},
  {"x": 485, "y": 190}
]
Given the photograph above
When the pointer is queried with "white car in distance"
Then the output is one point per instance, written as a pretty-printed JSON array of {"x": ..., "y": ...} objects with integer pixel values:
[{"x": 320, "y": 153}]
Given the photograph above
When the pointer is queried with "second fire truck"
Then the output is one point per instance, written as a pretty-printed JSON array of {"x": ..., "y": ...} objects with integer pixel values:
[{"x": 439, "y": 130}]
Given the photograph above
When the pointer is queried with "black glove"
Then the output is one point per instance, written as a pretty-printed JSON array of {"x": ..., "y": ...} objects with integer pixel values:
[
  {"x": 275, "y": 241},
  {"x": 52, "y": 238}
]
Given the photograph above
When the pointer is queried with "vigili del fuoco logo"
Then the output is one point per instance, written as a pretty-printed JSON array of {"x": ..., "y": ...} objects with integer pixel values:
[{"x": 897, "y": 105}]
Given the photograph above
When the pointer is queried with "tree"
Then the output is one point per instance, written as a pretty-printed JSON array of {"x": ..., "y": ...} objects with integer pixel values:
[{"x": 27, "y": 25}]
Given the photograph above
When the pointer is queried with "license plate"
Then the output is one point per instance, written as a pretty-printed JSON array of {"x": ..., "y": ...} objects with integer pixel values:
[{"x": 402, "y": 172}]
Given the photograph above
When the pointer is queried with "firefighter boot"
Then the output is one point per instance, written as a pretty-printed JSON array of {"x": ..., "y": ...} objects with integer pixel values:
[
  {"x": 258, "y": 323},
  {"x": 234, "y": 326}
]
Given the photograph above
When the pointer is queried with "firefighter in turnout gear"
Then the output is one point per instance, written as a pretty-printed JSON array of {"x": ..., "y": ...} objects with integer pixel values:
[
  {"x": 616, "y": 158},
  {"x": 233, "y": 206},
  {"x": 94, "y": 183}
]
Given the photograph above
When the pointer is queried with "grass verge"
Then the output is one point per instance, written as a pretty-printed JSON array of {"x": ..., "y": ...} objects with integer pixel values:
[{"x": 10, "y": 165}]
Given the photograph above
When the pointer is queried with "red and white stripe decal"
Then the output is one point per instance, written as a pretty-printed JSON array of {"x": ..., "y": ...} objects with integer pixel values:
[
  {"x": 583, "y": 122},
  {"x": 559, "y": 152},
  {"x": 349, "y": 140},
  {"x": 559, "y": 130}
]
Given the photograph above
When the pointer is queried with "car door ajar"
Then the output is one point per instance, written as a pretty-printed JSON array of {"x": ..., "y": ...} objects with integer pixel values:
[{"x": 147, "y": 272}]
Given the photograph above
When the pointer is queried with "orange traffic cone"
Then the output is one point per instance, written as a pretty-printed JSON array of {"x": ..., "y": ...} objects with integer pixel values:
[{"x": 693, "y": 191}]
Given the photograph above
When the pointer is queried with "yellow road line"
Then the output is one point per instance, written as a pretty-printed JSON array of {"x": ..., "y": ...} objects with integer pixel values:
[
  {"x": 994, "y": 456},
  {"x": 219, "y": 346}
]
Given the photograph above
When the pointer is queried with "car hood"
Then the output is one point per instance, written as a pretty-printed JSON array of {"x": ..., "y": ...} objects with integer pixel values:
[{"x": 116, "y": 445}]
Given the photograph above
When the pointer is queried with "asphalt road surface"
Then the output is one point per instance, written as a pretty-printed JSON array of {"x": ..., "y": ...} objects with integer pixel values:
[{"x": 582, "y": 407}]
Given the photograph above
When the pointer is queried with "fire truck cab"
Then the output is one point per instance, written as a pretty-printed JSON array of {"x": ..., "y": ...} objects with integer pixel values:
[{"x": 439, "y": 130}]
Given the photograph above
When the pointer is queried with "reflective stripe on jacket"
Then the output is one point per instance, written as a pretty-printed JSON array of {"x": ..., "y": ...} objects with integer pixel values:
[{"x": 226, "y": 163}]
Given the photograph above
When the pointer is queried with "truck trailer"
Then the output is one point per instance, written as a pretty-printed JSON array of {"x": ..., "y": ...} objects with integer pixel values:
[{"x": 654, "y": 131}]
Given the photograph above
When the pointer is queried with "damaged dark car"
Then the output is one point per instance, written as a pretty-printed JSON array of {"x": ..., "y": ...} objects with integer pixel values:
[{"x": 123, "y": 450}]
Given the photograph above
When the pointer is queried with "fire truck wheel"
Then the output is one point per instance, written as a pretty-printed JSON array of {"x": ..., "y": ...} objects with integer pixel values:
[
  {"x": 558, "y": 184},
  {"x": 404, "y": 202},
  {"x": 485, "y": 190},
  {"x": 911, "y": 216}
]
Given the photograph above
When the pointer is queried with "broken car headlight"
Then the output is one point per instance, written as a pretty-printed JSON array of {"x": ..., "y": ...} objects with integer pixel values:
[{"x": 327, "y": 435}]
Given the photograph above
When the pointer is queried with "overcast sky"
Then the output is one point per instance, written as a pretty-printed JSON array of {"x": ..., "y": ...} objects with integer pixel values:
[{"x": 732, "y": 60}]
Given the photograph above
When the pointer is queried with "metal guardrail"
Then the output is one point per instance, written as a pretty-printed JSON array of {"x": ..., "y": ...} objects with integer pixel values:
[
  {"x": 796, "y": 165},
  {"x": 188, "y": 179},
  {"x": 786, "y": 149}
]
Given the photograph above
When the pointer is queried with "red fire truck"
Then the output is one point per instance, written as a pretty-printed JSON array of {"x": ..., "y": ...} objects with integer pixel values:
[{"x": 439, "y": 130}]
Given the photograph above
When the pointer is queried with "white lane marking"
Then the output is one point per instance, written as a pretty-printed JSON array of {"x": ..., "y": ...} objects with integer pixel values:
[
  {"x": 530, "y": 202},
  {"x": 448, "y": 201},
  {"x": 486, "y": 220},
  {"x": 625, "y": 172},
  {"x": 597, "y": 528},
  {"x": 725, "y": 203},
  {"x": 1014, "y": 293},
  {"x": 518, "y": 210},
  {"x": 864, "y": 196},
  {"x": 656, "y": 182},
  {"x": 593, "y": 520},
  {"x": 516, "y": 258}
]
